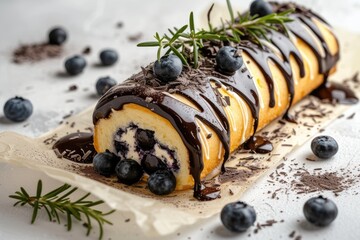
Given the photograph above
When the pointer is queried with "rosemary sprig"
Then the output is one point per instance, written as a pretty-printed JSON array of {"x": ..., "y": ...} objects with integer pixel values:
[
  {"x": 186, "y": 45},
  {"x": 58, "y": 201}
]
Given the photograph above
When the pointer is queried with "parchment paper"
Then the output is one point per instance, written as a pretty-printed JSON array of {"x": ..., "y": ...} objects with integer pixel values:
[{"x": 163, "y": 215}]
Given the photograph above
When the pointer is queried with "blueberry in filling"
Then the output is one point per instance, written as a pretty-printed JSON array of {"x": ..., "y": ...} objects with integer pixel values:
[
  {"x": 145, "y": 139},
  {"x": 151, "y": 164},
  {"x": 121, "y": 148}
]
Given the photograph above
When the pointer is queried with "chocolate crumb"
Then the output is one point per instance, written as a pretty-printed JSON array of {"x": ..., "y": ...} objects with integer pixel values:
[
  {"x": 329, "y": 181},
  {"x": 87, "y": 50},
  {"x": 227, "y": 100},
  {"x": 119, "y": 24},
  {"x": 73, "y": 88},
  {"x": 351, "y": 116},
  {"x": 135, "y": 37},
  {"x": 127, "y": 220},
  {"x": 36, "y": 52},
  {"x": 68, "y": 115},
  {"x": 281, "y": 165}
]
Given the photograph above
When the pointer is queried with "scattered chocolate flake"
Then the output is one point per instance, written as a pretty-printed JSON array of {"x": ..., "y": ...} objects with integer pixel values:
[
  {"x": 135, "y": 37},
  {"x": 292, "y": 234},
  {"x": 227, "y": 100},
  {"x": 127, "y": 220},
  {"x": 68, "y": 115},
  {"x": 231, "y": 192},
  {"x": 72, "y": 88},
  {"x": 310, "y": 159},
  {"x": 119, "y": 24},
  {"x": 209, "y": 136},
  {"x": 36, "y": 52},
  {"x": 50, "y": 140},
  {"x": 330, "y": 181},
  {"x": 351, "y": 116},
  {"x": 87, "y": 50},
  {"x": 281, "y": 165},
  {"x": 232, "y": 175},
  {"x": 268, "y": 223},
  {"x": 90, "y": 129}
]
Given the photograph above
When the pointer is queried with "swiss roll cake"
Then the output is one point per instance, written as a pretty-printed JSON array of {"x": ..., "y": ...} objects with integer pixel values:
[{"x": 191, "y": 124}]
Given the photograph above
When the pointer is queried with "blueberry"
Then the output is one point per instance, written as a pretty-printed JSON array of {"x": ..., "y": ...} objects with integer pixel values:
[
  {"x": 228, "y": 61},
  {"x": 128, "y": 171},
  {"x": 108, "y": 57},
  {"x": 104, "y": 84},
  {"x": 238, "y": 216},
  {"x": 75, "y": 65},
  {"x": 260, "y": 8},
  {"x": 320, "y": 211},
  {"x": 324, "y": 147},
  {"x": 57, "y": 36},
  {"x": 104, "y": 163},
  {"x": 162, "y": 182},
  {"x": 168, "y": 68},
  {"x": 145, "y": 139},
  {"x": 18, "y": 109},
  {"x": 151, "y": 164}
]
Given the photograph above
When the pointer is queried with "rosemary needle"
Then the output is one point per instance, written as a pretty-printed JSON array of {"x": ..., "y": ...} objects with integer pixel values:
[{"x": 57, "y": 202}]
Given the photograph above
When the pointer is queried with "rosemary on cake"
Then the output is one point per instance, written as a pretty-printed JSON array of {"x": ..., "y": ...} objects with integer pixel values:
[
  {"x": 186, "y": 45},
  {"x": 57, "y": 202}
]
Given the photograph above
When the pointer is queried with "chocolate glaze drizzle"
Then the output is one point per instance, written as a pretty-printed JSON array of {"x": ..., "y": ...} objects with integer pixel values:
[
  {"x": 200, "y": 86},
  {"x": 335, "y": 93}
]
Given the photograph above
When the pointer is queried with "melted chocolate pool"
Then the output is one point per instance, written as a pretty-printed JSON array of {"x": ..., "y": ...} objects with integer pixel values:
[
  {"x": 258, "y": 144},
  {"x": 335, "y": 93},
  {"x": 77, "y": 147}
]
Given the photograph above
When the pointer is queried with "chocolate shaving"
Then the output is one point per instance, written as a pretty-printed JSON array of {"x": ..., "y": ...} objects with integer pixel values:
[
  {"x": 36, "y": 52},
  {"x": 321, "y": 181},
  {"x": 351, "y": 116}
]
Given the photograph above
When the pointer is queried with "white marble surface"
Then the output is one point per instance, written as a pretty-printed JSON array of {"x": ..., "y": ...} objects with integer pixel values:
[{"x": 93, "y": 23}]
